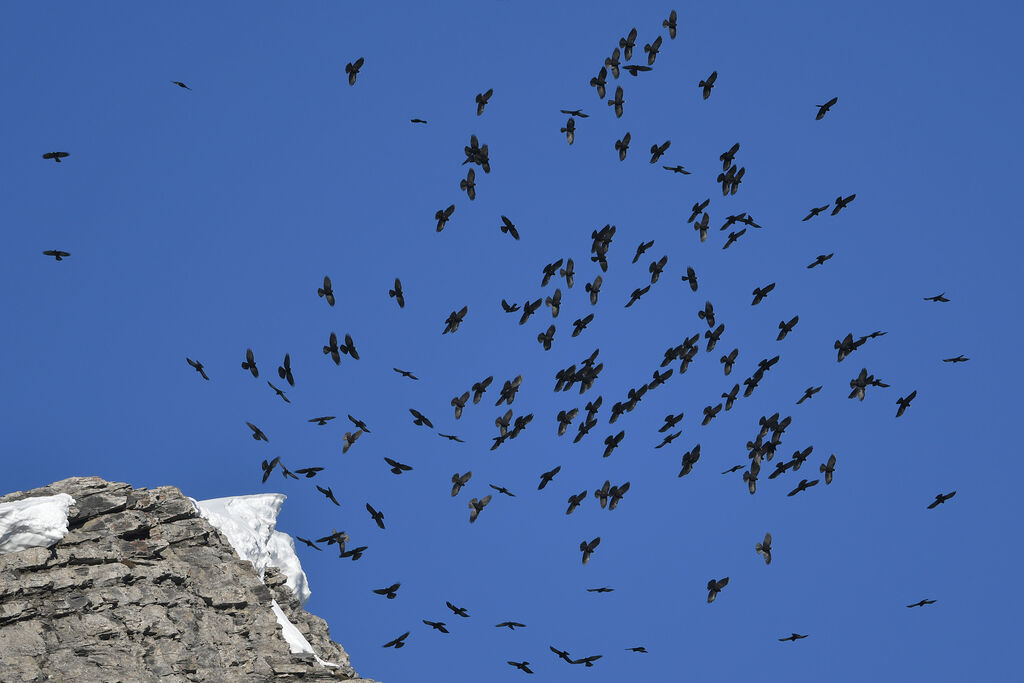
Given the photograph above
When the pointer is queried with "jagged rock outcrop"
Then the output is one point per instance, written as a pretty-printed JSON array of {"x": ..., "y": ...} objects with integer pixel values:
[{"x": 143, "y": 589}]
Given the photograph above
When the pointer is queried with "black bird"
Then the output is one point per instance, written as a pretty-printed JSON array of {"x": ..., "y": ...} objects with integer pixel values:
[
  {"x": 729, "y": 360},
  {"x": 181, "y": 85},
  {"x": 828, "y": 469},
  {"x": 284, "y": 371},
  {"x": 612, "y": 442},
  {"x": 309, "y": 543},
  {"x": 570, "y": 130},
  {"x": 691, "y": 278},
  {"x": 708, "y": 314},
  {"x": 507, "y": 226},
  {"x": 676, "y": 169},
  {"x": 522, "y": 666},
  {"x": 658, "y": 150},
  {"x": 587, "y": 661},
  {"x": 436, "y": 625},
  {"x": 581, "y": 324},
  {"x": 349, "y": 348},
  {"x": 574, "y": 501},
  {"x": 617, "y": 102},
  {"x": 922, "y": 603},
  {"x": 459, "y": 403},
  {"x": 329, "y": 493},
  {"x": 352, "y": 69},
  {"x": 815, "y": 211},
  {"x": 733, "y": 236},
  {"x": 761, "y": 292},
  {"x": 622, "y": 146},
  {"x": 479, "y": 388},
  {"x": 268, "y": 467},
  {"x": 482, "y": 99},
  {"x": 458, "y": 481},
  {"x": 397, "y": 467},
  {"x": 454, "y": 319},
  {"x": 634, "y": 69},
  {"x": 730, "y": 398},
  {"x": 697, "y": 209},
  {"x": 309, "y": 472},
  {"x": 821, "y": 259},
  {"x": 656, "y": 268},
  {"x": 333, "y": 349},
  {"x": 547, "y": 337},
  {"x": 378, "y": 516},
  {"x": 528, "y": 310},
  {"x": 279, "y": 392},
  {"x": 602, "y": 589},
  {"x": 842, "y": 203},
  {"x": 397, "y": 294},
  {"x": 198, "y": 367},
  {"x": 690, "y": 459},
  {"x": 940, "y": 499},
  {"x": 652, "y": 50},
  {"x": 417, "y": 121},
  {"x": 670, "y": 24},
  {"x": 477, "y": 506},
  {"x": 824, "y": 108},
  {"x": 802, "y": 486},
  {"x": 549, "y": 272},
  {"x": 339, "y": 537},
  {"x": 359, "y": 424},
  {"x": 468, "y": 184},
  {"x": 904, "y": 402},
  {"x": 764, "y": 548},
  {"x": 787, "y": 327},
  {"x": 57, "y": 254},
  {"x": 640, "y": 648},
  {"x": 565, "y": 418},
  {"x": 250, "y": 363},
  {"x": 459, "y": 611},
  {"x": 715, "y": 587},
  {"x": 398, "y": 642},
  {"x": 588, "y": 548},
  {"x": 511, "y": 625},
  {"x": 555, "y": 302},
  {"x": 713, "y": 336},
  {"x": 707, "y": 84},
  {"x": 734, "y": 468},
  {"x": 575, "y": 112},
  {"x": 793, "y": 637},
  {"x": 56, "y": 156},
  {"x": 710, "y": 413},
  {"x": 599, "y": 82},
  {"x": 321, "y": 421},
  {"x": 702, "y": 227},
  {"x": 509, "y": 308},
  {"x": 326, "y": 291},
  {"x": 636, "y": 294},
  {"x": 594, "y": 289},
  {"x": 548, "y": 476},
  {"x": 958, "y": 359},
  {"x": 729, "y": 156},
  {"x": 808, "y": 392},
  {"x": 937, "y": 297},
  {"x": 509, "y": 390},
  {"x": 405, "y": 373},
  {"x": 257, "y": 433},
  {"x": 442, "y": 216},
  {"x": 627, "y": 44},
  {"x": 419, "y": 419}
]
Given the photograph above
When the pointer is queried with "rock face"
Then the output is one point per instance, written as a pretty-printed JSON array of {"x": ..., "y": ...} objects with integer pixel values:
[{"x": 143, "y": 589}]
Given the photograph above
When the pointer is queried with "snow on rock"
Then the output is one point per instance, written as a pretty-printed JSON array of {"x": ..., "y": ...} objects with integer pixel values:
[
  {"x": 40, "y": 521},
  {"x": 296, "y": 641},
  {"x": 250, "y": 524}
]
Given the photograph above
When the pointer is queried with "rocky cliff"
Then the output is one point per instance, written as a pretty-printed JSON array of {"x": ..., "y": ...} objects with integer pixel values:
[{"x": 142, "y": 588}]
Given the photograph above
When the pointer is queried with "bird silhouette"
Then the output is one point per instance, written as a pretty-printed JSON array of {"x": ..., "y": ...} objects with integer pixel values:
[
  {"x": 940, "y": 499},
  {"x": 57, "y": 254},
  {"x": 352, "y": 69},
  {"x": 824, "y": 108},
  {"x": 707, "y": 84}
]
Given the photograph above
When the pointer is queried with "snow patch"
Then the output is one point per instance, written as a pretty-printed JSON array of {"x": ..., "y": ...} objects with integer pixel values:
[
  {"x": 36, "y": 522},
  {"x": 297, "y": 642},
  {"x": 250, "y": 523}
]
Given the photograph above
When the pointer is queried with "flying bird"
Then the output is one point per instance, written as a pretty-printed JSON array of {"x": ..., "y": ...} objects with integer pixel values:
[
  {"x": 904, "y": 402},
  {"x": 459, "y": 611},
  {"x": 56, "y": 156},
  {"x": 390, "y": 592},
  {"x": 405, "y": 373},
  {"x": 842, "y": 203},
  {"x": 575, "y": 112},
  {"x": 507, "y": 226},
  {"x": 937, "y": 297},
  {"x": 828, "y": 468},
  {"x": 352, "y": 69},
  {"x": 729, "y": 156},
  {"x": 250, "y": 363},
  {"x": 57, "y": 254},
  {"x": 940, "y": 499},
  {"x": 522, "y": 666},
  {"x": 958, "y": 359},
  {"x": 793, "y": 637},
  {"x": 922, "y": 603},
  {"x": 309, "y": 543},
  {"x": 802, "y": 486},
  {"x": 787, "y": 327},
  {"x": 397, "y": 294},
  {"x": 599, "y": 82},
  {"x": 329, "y": 494},
  {"x": 570, "y": 130},
  {"x": 181, "y": 85},
  {"x": 458, "y": 481},
  {"x": 627, "y": 44},
  {"x": 652, "y": 50},
  {"x": 715, "y": 587},
  {"x": 808, "y": 392},
  {"x": 821, "y": 259},
  {"x": 198, "y": 367},
  {"x": 707, "y": 84},
  {"x": 622, "y": 146},
  {"x": 676, "y": 169},
  {"x": 349, "y": 439},
  {"x": 670, "y": 24},
  {"x": 257, "y": 433},
  {"x": 617, "y": 102},
  {"x": 546, "y": 478},
  {"x": 824, "y": 108},
  {"x": 397, "y": 467},
  {"x": 477, "y": 506},
  {"x": 417, "y": 121},
  {"x": 658, "y": 150},
  {"x": 764, "y": 548},
  {"x": 284, "y": 371},
  {"x": 326, "y": 292},
  {"x": 436, "y": 625},
  {"x": 309, "y": 472},
  {"x": 760, "y": 293},
  {"x": 482, "y": 99},
  {"x": 815, "y": 211},
  {"x": 378, "y": 516},
  {"x": 588, "y": 548},
  {"x": 455, "y": 319},
  {"x": 398, "y": 642}
]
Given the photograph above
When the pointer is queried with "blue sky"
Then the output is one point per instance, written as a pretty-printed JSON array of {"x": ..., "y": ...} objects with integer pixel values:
[{"x": 201, "y": 223}]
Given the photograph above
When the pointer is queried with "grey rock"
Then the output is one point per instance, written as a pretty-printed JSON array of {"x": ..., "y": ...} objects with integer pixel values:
[{"x": 143, "y": 589}]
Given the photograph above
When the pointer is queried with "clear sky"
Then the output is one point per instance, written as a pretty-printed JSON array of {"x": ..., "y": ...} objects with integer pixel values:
[{"x": 200, "y": 223}]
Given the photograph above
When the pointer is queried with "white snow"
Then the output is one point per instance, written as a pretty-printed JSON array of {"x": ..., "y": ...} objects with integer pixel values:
[
  {"x": 250, "y": 523},
  {"x": 296, "y": 641},
  {"x": 33, "y": 522}
]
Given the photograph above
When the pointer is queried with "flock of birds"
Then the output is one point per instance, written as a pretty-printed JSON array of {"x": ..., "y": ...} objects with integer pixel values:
[{"x": 767, "y": 436}]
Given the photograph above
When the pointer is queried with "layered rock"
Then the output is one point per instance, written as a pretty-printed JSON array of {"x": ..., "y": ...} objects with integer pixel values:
[{"x": 141, "y": 588}]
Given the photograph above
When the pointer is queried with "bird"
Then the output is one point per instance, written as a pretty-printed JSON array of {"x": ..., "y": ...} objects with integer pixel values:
[
  {"x": 522, "y": 666},
  {"x": 378, "y": 516},
  {"x": 198, "y": 367},
  {"x": 455, "y": 319},
  {"x": 702, "y": 227},
  {"x": 507, "y": 226},
  {"x": 309, "y": 472},
  {"x": 670, "y": 24},
  {"x": 808, "y": 392},
  {"x": 937, "y": 298},
  {"x": 397, "y": 294},
  {"x": 528, "y": 310},
  {"x": 729, "y": 360},
  {"x": 390, "y": 592},
  {"x": 792, "y": 637},
  {"x": 802, "y": 486},
  {"x": 733, "y": 236},
  {"x": 479, "y": 388},
  {"x": 570, "y": 130},
  {"x": 958, "y": 359},
  {"x": 707, "y": 84},
  {"x": 734, "y": 468},
  {"x": 588, "y": 548},
  {"x": 622, "y": 146},
  {"x": 458, "y": 481},
  {"x": 511, "y": 625},
  {"x": 575, "y": 500},
  {"x": 482, "y": 99},
  {"x": 181, "y": 85},
  {"x": 442, "y": 216},
  {"x": 329, "y": 494},
  {"x": 546, "y": 478},
  {"x": 575, "y": 112},
  {"x": 940, "y": 499},
  {"x": 710, "y": 413},
  {"x": 652, "y": 50},
  {"x": 634, "y": 69},
  {"x": 691, "y": 278},
  {"x": 436, "y": 625},
  {"x": 612, "y": 442},
  {"x": 477, "y": 506},
  {"x": 56, "y": 156},
  {"x": 326, "y": 292},
  {"x": 250, "y": 363},
  {"x": 310, "y": 543},
  {"x": 824, "y": 108},
  {"x": 842, "y": 203},
  {"x": 760, "y": 293},
  {"x": 502, "y": 490},
  {"x": 715, "y": 587},
  {"x": 636, "y": 294},
  {"x": 57, "y": 254},
  {"x": 547, "y": 337},
  {"x": 787, "y": 327},
  {"x": 405, "y": 373},
  {"x": 417, "y": 121},
  {"x": 904, "y": 402},
  {"x": 697, "y": 209},
  {"x": 676, "y": 169},
  {"x": 656, "y": 268},
  {"x": 599, "y": 82},
  {"x": 397, "y": 467},
  {"x": 602, "y": 589},
  {"x": 922, "y": 603},
  {"x": 690, "y": 458},
  {"x": 284, "y": 371},
  {"x": 352, "y": 69},
  {"x": 257, "y": 433},
  {"x": 729, "y": 156},
  {"x": 764, "y": 548},
  {"x": 821, "y": 259},
  {"x": 815, "y": 211},
  {"x": 580, "y": 324},
  {"x": 594, "y": 289},
  {"x": 828, "y": 468},
  {"x": 587, "y": 661},
  {"x": 627, "y": 44},
  {"x": 398, "y": 642},
  {"x": 339, "y": 537},
  {"x": 468, "y": 184},
  {"x": 707, "y": 314},
  {"x": 617, "y": 102},
  {"x": 658, "y": 150},
  {"x": 459, "y": 611}
]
